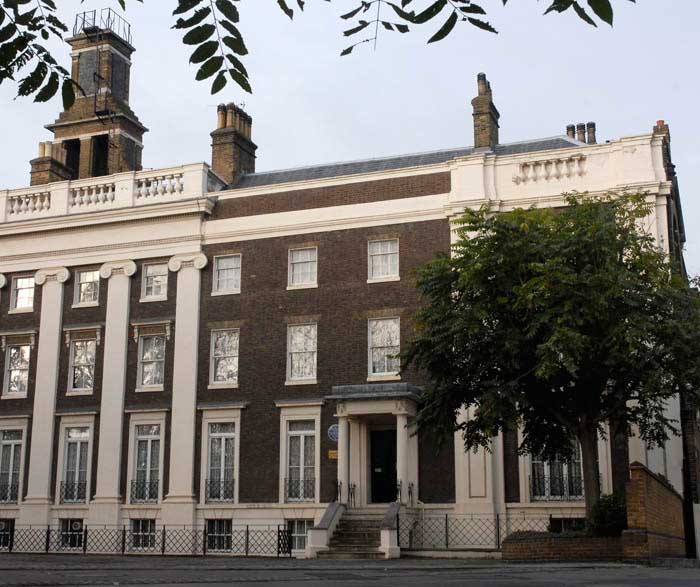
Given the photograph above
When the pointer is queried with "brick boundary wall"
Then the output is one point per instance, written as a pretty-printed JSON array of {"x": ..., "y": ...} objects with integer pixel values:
[{"x": 654, "y": 521}]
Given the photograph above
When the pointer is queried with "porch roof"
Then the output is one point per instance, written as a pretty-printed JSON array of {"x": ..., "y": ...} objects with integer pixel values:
[{"x": 377, "y": 391}]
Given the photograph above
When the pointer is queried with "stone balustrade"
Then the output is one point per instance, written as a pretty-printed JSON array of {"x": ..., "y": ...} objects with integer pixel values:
[{"x": 96, "y": 194}]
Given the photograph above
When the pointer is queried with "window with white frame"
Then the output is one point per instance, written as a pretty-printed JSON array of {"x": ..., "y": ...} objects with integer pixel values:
[
  {"x": 220, "y": 480},
  {"x": 219, "y": 535},
  {"x": 145, "y": 484},
  {"x": 87, "y": 288},
  {"x": 10, "y": 460},
  {"x": 22, "y": 296},
  {"x": 298, "y": 529},
  {"x": 301, "y": 460},
  {"x": 558, "y": 479},
  {"x": 227, "y": 274},
  {"x": 151, "y": 368},
  {"x": 383, "y": 259},
  {"x": 17, "y": 359},
  {"x": 155, "y": 282},
  {"x": 302, "y": 267},
  {"x": 82, "y": 365},
  {"x": 75, "y": 465},
  {"x": 143, "y": 533},
  {"x": 301, "y": 352},
  {"x": 223, "y": 368},
  {"x": 71, "y": 533},
  {"x": 384, "y": 346}
]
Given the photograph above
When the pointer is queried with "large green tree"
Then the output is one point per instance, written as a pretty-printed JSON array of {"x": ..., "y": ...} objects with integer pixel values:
[
  {"x": 210, "y": 27},
  {"x": 558, "y": 321}
]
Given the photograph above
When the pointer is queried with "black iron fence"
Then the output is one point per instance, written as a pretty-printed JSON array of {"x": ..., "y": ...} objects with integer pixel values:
[
  {"x": 219, "y": 490},
  {"x": 418, "y": 531},
  {"x": 144, "y": 491},
  {"x": 73, "y": 491},
  {"x": 231, "y": 540}
]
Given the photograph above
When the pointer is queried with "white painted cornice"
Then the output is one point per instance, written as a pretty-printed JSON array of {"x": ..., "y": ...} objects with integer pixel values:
[
  {"x": 60, "y": 274},
  {"x": 197, "y": 260},
  {"x": 111, "y": 268}
]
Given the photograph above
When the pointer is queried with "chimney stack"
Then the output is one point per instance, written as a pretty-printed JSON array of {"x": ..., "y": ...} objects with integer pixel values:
[
  {"x": 486, "y": 116},
  {"x": 581, "y": 132},
  {"x": 232, "y": 149},
  {"x": 590, "y": 133},
  {"x": 661, "y": 128},
  {"x": 571, "y": 131}
]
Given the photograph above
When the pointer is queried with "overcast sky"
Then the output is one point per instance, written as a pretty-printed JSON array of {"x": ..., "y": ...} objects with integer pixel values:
[{"x": 311, "y": 106}]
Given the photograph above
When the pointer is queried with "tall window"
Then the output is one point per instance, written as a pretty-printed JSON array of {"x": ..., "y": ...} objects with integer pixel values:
[
  {"x": 220, "y": 482},
  {"x": 301, "y": 352},
  {"x": 384, "y": 346},
  {"x": 17, "y": 369},
  {"x": 82, "y": 365},
  {"x": 224, "y": 357},
  {"x": 74, "y": 485},
  {"x": 22, "y": 297},
  {"x": 383, "y": 262},
  {"x": 10, "y": 455},
  {"x": 87, "y": 288},
  {"x": 145, "y": 484},
  {"x": 558, "y": 479},
  {"x": 227, "y": 274},
  {"x": 143, "y": 533},
  {"x": 297, "y": 532},
  {"x": 155, "y": 282},
  {"x": 302, "y": 267},
  {"x": 301, "y": 460},
  {"x": 151, "y": 371}
]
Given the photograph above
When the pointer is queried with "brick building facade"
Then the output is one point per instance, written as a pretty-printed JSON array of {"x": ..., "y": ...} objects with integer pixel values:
[{"x": 194, "y": 344}]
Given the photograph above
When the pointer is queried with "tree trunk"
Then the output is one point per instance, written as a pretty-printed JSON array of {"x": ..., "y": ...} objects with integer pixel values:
[{"x": 589, "y": 462}]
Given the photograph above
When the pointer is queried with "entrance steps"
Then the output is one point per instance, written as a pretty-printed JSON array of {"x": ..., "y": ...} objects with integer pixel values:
[{"x": 357, "y": 536}]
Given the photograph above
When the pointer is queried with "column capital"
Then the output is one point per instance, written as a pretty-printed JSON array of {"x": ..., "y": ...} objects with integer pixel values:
[
  {"x": 110, "y": 268},
  {"x": 197, "y": 260},
  {"x": 3, "y": 280},
  {"x": 60, "y": 274}
]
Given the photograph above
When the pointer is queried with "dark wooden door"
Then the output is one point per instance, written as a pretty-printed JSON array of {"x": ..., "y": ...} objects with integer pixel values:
[{"x": 383, "y": 465}]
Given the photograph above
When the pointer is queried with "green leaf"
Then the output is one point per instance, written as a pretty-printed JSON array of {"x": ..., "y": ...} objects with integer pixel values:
[
  {"x": 347, "y": 51},
  {"x": 219, "y": 82},
  {"x": 286, "y": 9},
  {"x": 352, "y": 13},
  {"x": 228, "y": 10},
  {"x": 209, "y": 68},
  {"x": 433, "y": 10},
  {"x": 482, "y": 25},
  {"x": 49, "y": 90},
  {"x": 199, "y": 34},
  {"x": 196, "y": 18},
  {"x": 363, "y": 24},
  {"x": 7, "y": 32},
  {"x": 204, "y": 52},
  {"x": 68, "y": 93},
  {"x": 236, "y": 45},
  {"x": 241, "y": 80},
  {"x": 185, "y": 6},
  {"x": 237, "y": 64},
  {"x": 445, "y": 29},
  {"x": 603, "y": 10},
  {"x": 33, "y": 81},
  {"x": 583, "y": 15}
]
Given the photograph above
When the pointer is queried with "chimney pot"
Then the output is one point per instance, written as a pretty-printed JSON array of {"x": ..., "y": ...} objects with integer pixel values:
[
  {"x": 581, "y": 132},
  {"x": 590, "y": 131},
  {"x": 233, "y": 152},
  {"x": 571, "y": 131},
  {"x": 221, "y": 116},
  {"x": 230, "y": 120}
]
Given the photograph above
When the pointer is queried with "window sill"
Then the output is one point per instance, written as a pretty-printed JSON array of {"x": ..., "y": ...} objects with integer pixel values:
[
  {"x": 72, "y": 392},
  {"x": 383, "y": 279},
  {"x": 153, "y": 299},
  {"x": 13, "y": 396},
  {"x": 226, "y": 293},
  {"x": 301, "y": 382},
  {"x": 86, "y": 305},
  {"x": 149, "y": 389},
  {"x": 302, "y": 286},
  {"x": 385, "y": 377},
  {"x": 21, "y": 310},
  {"x": 222, "y": 386}
]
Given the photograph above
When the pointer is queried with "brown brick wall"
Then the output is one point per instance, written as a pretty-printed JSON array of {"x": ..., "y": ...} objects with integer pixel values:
[
  {"x": 553, "y": 547},
  {"x": 338, "y": 195}
]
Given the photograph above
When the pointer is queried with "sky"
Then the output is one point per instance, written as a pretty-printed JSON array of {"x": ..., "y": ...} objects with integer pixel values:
[{"x": 311, "y": 106}]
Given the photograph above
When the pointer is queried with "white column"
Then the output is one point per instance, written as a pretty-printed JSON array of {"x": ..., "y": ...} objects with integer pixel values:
[
  {"x": 105, "y": 507},
  {"x": 343, "y": 457},
  {"x": 402, "y": 454},
  {"x": 36, "y": 505},
  {"x": 179, "y": 503},
  {"x": 3, "y": 281}
]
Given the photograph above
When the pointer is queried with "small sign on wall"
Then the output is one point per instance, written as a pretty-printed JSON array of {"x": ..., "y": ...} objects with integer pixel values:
[{"x": 333, "y": 455}]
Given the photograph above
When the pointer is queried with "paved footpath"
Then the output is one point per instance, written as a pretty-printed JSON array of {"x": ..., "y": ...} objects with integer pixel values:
[{"x": 58, "y": 570}]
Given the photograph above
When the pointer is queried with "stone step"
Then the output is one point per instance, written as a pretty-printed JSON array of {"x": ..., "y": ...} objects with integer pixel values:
[{"x": 351, "y": 554}]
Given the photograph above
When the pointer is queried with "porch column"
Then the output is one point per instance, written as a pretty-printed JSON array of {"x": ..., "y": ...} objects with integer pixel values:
[
  {"x": 105, "y": 507},
  {"x": 38, "y": 501},
  {"x": 179, "y": 505},
  {"x": 343, "y": 458},
  {"x": 402, "y": 455}
]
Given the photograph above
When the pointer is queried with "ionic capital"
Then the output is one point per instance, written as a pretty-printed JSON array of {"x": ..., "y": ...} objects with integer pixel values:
[
  {"x": 60, "y": 274},
  {"x": 197, "y": 260},
  {"x": 111, "y": 268}
]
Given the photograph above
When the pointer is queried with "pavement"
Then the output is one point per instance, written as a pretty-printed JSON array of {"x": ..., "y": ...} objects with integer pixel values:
[{"x": 64, "y": 570}]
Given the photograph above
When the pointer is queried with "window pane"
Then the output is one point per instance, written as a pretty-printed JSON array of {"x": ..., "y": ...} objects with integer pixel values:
[
  {"x": 302, "y": 266},
  {"x": 226, "y": 343},
  {"x": 302, "y": 426},
  {"x": 228, "y": 273}
]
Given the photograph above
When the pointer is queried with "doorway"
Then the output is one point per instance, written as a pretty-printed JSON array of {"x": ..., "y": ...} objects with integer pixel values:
[{"x": 382, "y": 446}]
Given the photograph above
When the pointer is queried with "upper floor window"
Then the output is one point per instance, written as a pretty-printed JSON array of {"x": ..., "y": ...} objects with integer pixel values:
[
  {"x": 383, "y": 260},
  {"x": 22, "y": 297},
  {"x": 87, "y": 288},
  {"x": 220, "y": 478},
  {"x": 17, "y": 369},
  {"x": 227, "y": 274},
  {"x": 151, "y": 368},
  {"x": 301, "y": 460},
  {"x": 10, "y": 459},
  {"x": 155, "y": 282},
  {"x": 82, "y": 365},
  {"x": 145, "y": 485},
  {"x": 301, "y": 352},
  {"x": 302, "y": 267},
  {"x": 74, "y": 484},
  {"x": 384, "y": 346},
  {"x": 224, "y": 357}
]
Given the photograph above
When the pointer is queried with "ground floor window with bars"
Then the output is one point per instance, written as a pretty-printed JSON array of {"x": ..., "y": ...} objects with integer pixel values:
[
  {"x": 297, "y": 532},
  {"x": 7, "y": 527},
  {"x": 558, "y": 479},
  {"x": 71, "y": 533},
  {"x": 143, "y": 533},
  {"x": 219, "y": 535}
]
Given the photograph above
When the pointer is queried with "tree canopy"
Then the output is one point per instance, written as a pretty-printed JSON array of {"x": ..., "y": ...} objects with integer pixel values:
[
  {"x": 210, "y": 27},
  {"x": 558, "y": 321}
]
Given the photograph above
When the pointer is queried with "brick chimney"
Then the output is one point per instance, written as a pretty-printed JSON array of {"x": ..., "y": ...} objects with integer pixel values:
[
  {"x": 232, "y": 150},
  {"x": 485, "y": 116}
]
